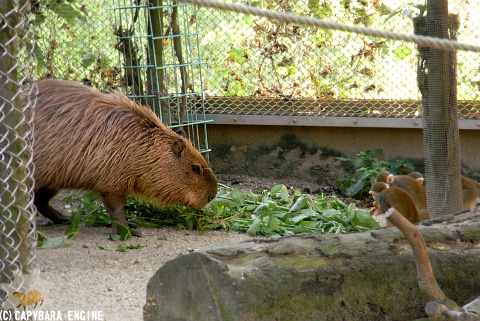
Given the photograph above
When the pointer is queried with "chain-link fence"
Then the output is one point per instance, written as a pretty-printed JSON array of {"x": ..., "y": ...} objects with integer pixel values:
[
  {"x": 76, "y": 40},
  {"x": 266, "y": 67},
  {"x": 252, "y": 65},
  {"x": 17, "y": 237}
]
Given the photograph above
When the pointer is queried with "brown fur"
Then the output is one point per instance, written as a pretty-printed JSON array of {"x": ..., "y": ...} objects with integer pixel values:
[
  {"x": 109, "y": 144},
  {"x": 387, "y": 197},
  {"x": 471, "y": 192},
  {"x": 412, "y": 186}
]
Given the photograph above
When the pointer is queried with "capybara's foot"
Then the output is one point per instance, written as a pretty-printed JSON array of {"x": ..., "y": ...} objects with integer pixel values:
[
  {"x": 42, "y": 197},
  {"x": 133, "y": 229}
]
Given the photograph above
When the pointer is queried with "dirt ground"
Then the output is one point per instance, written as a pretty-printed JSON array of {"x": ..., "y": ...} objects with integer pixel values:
[{"x": 82, "y": 277}]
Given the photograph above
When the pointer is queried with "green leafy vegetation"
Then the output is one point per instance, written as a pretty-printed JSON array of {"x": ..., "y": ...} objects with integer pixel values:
[
  {"x": 367, "y": 166},
  {"x": 271, "y": 212},
  {"x": 91, "y": 213},
  {"x": 45, "y": 242},
  {"x": 275, "y": 213}
]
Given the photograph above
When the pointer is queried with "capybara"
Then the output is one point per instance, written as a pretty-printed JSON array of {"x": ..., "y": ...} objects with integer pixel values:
[{"x": 84, "y": 139}]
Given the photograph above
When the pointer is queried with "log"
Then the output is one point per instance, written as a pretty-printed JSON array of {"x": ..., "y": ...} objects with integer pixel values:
[{"x": 359, "y": 276}]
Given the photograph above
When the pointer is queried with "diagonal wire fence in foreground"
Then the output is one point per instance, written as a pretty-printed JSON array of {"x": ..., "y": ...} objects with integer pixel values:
[{"x": 17, "y": 237}]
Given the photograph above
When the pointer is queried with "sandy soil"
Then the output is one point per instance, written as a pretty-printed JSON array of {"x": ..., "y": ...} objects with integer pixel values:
[{"x": 83, "y": 277}]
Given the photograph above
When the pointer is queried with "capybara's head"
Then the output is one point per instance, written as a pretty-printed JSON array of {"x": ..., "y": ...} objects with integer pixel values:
[{"x": 189, "y": 181}]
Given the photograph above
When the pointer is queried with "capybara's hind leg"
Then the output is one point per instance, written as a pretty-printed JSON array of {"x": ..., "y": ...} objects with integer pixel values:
[
  {"x": 41, "y": 199},
  {"x": 114, "y": 203}
]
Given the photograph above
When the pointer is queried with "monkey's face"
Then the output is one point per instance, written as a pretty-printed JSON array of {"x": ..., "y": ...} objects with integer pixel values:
[{"x": 376, "y": 189}]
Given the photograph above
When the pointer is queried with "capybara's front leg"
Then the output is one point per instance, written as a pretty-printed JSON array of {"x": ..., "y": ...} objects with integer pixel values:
[
  {"x": 114, "y": 203},
  {"x": 41, "y": 199}
]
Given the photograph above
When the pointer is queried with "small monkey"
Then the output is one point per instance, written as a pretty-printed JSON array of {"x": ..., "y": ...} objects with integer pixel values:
[
  {"x": 387, "y": 197},
  {"x": 384, "y": 177},
  {"x": 417, "y": 176},
  {"x": 411, "y": 185},
  {"x": 471, "y": 192}
]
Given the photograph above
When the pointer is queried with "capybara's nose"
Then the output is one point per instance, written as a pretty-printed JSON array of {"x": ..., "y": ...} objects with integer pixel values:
[{"x": 211, "y": 196}]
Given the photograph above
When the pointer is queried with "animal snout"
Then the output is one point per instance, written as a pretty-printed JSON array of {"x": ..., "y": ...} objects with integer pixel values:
[
  {"x": 211, "y": 196},
  {"x": 213, "y": 186}
]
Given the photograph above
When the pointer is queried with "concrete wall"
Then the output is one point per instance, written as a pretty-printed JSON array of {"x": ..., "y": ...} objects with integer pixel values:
[{"x": 308, "y": 153}]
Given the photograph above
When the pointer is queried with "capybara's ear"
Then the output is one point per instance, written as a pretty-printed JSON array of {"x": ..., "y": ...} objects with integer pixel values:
[
  {"x": 177, "y": 147},
  {"x": 181, "y": 132}
]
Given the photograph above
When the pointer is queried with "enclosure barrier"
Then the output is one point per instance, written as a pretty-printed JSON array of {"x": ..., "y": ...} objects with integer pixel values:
[
  {"x": 436, "y": 78},
  {"x": 159, "y": 47},
  {"x": 291, "y": 66},
  {"x": 17, "y": 237},
  {"x": 423, "y": 41},
  {"x": 249, "y": 65}
]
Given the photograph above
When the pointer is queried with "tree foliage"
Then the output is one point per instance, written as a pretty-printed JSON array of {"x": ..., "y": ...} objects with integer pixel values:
[
  {"x": 249, "y": 56},
  {"x": 71, "y": 42}
]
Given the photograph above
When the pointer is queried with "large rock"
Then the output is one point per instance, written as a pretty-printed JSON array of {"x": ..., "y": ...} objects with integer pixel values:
[{"x": 359, "y": 276}]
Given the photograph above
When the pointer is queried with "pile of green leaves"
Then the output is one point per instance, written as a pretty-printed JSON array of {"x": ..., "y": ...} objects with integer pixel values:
[
  {"x": 276, "y": 213},
  {"x": 271, "y": 213},
  {"x": 367, "y": 166}
]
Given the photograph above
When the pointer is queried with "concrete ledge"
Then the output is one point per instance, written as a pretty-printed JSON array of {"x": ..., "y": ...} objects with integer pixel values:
[{"x": 317, "y": 121}]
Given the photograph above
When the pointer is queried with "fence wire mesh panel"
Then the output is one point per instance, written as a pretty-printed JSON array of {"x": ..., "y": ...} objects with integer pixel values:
[
  {"x": 251, "y": 65},
  {"x": 17, "y": 229},
  {"x": 148, "y": 49},
  {"x": 75, "y": 40},
  {"x": 159, "y": 46},
  {"x": 437, "y": 78},
  {"x": 264, "y": 67}
]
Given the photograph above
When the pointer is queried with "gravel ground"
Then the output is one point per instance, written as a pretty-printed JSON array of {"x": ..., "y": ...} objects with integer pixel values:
[{"x": 83, "y": 277}]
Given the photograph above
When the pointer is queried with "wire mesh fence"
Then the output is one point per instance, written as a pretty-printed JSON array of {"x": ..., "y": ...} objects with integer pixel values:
[
  {"x": 159, "y": 47},
  {"x": 147, "y": 49},
  {"x": 271, "y": 67},
  {"x": 17, "y": 237},
  {"x": 251, "y": 65}
]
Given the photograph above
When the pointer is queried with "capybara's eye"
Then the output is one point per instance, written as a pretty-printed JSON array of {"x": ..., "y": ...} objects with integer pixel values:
[{"x": 196, "y": 169}]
